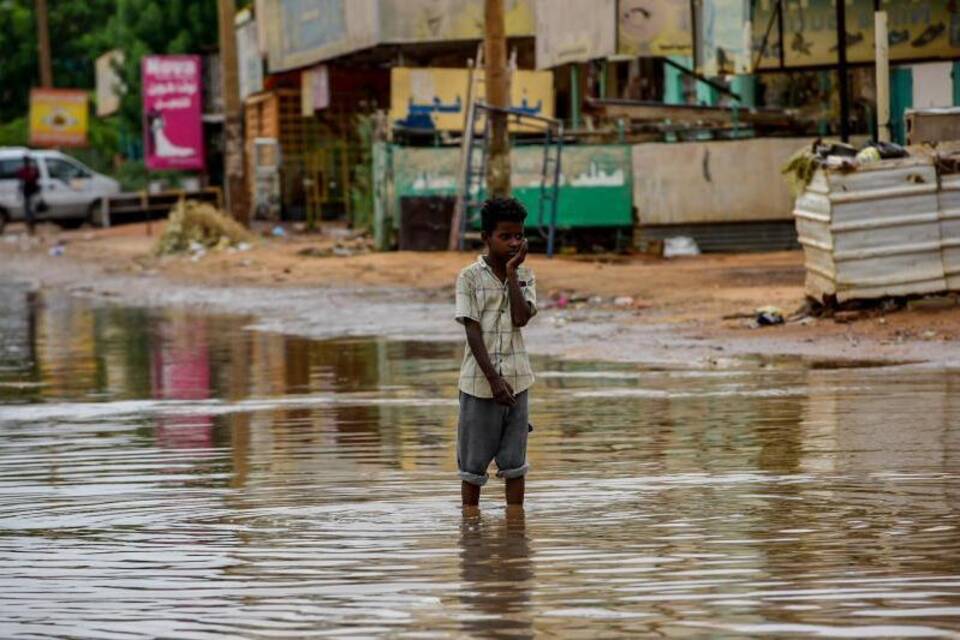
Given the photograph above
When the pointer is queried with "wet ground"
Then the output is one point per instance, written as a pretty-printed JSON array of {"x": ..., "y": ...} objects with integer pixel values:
[{"x": 165, "y": 473}]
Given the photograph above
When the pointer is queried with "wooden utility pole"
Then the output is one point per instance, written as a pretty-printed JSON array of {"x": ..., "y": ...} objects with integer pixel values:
[
  {"x": 43, "y": 45},
  {"x": 497, "y": 81},
  {"x": 234, "y": 167}
]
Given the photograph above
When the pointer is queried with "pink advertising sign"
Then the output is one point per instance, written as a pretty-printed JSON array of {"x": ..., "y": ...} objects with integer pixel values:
[{"x": 172, "y": 99}]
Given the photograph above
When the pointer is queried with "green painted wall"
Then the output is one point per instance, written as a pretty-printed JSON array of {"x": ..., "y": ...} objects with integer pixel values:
[
  {"x": 595, "y": 191},
  {"x": 901, "y": 99},
  {"x": 956, "y": 84},
  {"x": 673, "y": 80}
]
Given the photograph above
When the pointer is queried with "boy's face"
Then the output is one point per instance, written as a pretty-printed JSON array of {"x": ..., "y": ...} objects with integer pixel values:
[{"x": 505, "y": 241}]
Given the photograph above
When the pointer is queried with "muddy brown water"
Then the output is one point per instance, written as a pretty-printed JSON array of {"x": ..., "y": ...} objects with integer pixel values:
[{"x": 170, "y": 474}]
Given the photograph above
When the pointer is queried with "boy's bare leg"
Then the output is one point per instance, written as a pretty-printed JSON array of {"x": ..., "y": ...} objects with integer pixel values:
[
  {"x": 513, "y": 488},
  {"x": 469, "y": 494}
]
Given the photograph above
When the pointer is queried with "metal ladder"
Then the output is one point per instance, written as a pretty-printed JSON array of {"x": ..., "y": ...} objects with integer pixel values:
[
  {"x": 472, "y": 185},
  {"x": 550, "y": 183}
]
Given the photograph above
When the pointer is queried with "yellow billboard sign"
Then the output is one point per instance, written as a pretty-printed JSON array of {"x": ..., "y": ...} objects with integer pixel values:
[
  {"x": 431, "y": 98},
  {"x": 58, "y": 118}
]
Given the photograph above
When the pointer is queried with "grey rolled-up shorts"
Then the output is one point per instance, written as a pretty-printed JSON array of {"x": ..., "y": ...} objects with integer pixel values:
[{"x": 488, "y": 431}]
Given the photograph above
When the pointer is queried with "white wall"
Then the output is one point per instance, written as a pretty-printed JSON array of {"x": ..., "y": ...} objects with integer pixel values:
[
  {"x": 932, "y": 85},
  {"x": 717, "y": 181}
]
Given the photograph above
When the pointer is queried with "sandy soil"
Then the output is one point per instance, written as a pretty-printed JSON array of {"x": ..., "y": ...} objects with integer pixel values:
[{"x": 683, "y": 310}]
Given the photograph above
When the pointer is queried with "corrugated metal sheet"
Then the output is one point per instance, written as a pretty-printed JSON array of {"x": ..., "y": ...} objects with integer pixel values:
[
  {"x": 872, "y": 232},
  {"x": 949, "y": 204}
]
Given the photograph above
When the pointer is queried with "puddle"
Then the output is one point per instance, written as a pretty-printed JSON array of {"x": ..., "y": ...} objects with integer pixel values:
[{"x": 206, "y": 480}]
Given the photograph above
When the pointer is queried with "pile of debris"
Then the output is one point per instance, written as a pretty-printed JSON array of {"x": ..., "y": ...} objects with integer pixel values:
[
  {"x": 801, "y": 166},
  {"x": 195, "y": 226}
]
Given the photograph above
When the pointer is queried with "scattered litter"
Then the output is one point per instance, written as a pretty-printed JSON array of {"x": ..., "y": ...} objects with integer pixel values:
[
  {"x": 195, "y": 227},
  {"x": 769, "y": 316},
  {"x": 278, "y": 232},
  {"x": 623, "y": 301},
  {"x": 56, "y": 250},
  {"x": 802, "y": 165},
  {"x": 244, "y": 246},
  {"x": 868, "y": 155},
  {"x": 680, "y": 246},
  {"x": 841, "y": 163},
  {"x": 889, "y": 150},
  {"x": 929, "y": 335}
]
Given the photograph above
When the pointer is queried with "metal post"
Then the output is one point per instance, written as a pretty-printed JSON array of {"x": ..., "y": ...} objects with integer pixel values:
[
  {"x": 575, "y": 95},
  {"x": 843, "y": 87},
  {"x": 781, "y": 48},
  {"x": 883, "y": 76}
]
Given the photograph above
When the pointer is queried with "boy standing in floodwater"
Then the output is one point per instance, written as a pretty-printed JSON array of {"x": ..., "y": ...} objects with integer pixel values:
[{"x": 496, "y": 297}]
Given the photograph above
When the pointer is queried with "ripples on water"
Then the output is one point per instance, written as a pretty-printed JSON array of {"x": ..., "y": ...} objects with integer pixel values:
[{"x": 165, "y": 474}]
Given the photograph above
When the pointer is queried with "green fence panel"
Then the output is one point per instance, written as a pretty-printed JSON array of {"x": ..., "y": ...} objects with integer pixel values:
[{"x": 595, "y": 186}]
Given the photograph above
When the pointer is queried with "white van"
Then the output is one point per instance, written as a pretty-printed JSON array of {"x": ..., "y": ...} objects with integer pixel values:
[{"x": 70, "y": 193}]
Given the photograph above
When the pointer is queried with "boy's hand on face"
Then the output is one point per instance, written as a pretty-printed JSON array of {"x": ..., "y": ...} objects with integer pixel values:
[
  {"x": 502, "y": 392},
  {"x": 517, "y": 260}
]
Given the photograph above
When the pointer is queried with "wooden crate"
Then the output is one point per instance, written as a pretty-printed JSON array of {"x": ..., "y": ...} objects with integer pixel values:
[{"x": 933, "y": 125}]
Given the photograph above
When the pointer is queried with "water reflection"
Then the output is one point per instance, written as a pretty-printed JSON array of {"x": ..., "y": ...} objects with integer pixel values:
[
  {"x": 496, "y": 566},
  {"x": 207, "y": 480}
]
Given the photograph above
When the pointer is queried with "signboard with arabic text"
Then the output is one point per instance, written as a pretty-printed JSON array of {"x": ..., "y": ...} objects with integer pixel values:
[
  {"x": 173, "y": 126},
  {"x": 432, "y": 98}
]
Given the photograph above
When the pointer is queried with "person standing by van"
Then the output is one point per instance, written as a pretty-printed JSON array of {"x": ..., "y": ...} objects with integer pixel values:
[{"x": 29, "y": 177}]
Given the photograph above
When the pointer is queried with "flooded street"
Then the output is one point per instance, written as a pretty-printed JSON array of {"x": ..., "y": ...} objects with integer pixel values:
[{"x": 165, "y": 473}]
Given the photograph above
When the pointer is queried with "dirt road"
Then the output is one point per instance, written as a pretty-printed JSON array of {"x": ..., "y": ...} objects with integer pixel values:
[{"x": 607, "y": 307}]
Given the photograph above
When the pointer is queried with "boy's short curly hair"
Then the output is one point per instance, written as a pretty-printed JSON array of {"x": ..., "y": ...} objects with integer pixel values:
[{"x": 496, "y": 210}]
